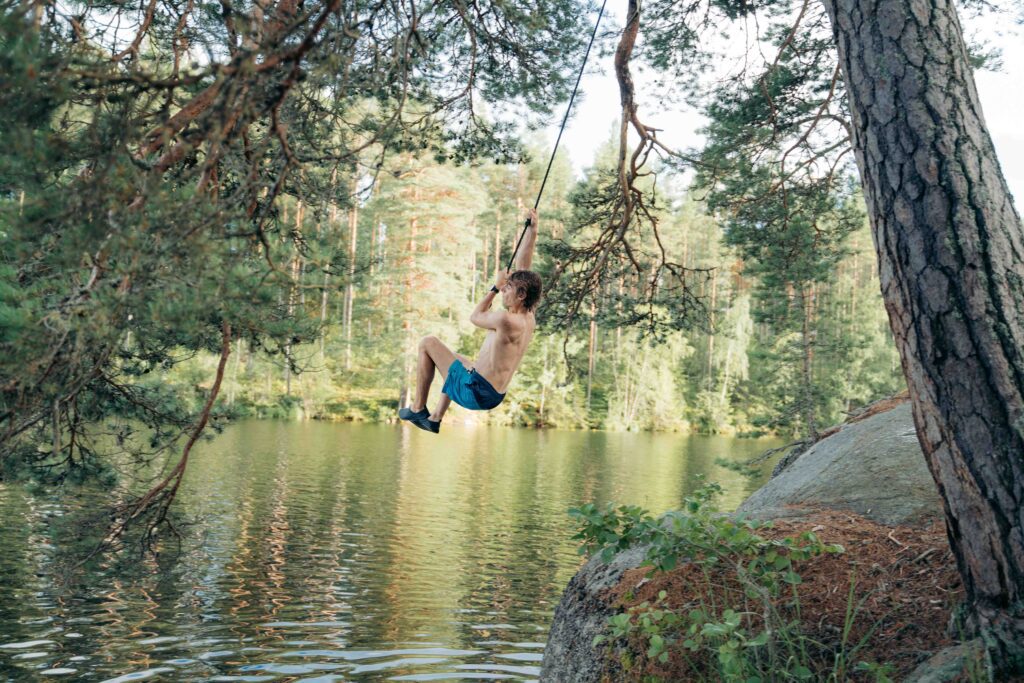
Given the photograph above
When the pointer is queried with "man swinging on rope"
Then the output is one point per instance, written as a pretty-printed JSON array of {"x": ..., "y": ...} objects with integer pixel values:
[{"x": 481, "y": 385}]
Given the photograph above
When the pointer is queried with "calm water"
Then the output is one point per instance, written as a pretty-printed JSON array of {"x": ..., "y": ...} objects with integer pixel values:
[{"x": 343, "y": 553}]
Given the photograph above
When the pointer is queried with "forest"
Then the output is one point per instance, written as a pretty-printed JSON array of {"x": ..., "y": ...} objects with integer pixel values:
[
  {"x": 214, "y": 211},
  {"x": 423, "y": 248}
]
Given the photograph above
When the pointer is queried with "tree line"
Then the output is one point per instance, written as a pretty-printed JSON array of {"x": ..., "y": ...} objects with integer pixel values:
[{"x": 422, "y": 242}]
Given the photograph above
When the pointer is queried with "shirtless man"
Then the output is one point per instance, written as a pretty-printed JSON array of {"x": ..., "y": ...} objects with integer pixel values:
[{"x": 481, "y": 385}]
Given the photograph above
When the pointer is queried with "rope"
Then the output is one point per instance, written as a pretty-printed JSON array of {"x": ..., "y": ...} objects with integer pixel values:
[{"x": 561, "y": 130}]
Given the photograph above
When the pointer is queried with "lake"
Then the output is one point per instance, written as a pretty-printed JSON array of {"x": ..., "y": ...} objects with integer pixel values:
[{"x": 341, "y": 552}]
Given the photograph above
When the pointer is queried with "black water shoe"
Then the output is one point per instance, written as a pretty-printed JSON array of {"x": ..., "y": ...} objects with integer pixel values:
[
  {"x": 414, "y": 415},
  {"x": 419, "y": 418}
]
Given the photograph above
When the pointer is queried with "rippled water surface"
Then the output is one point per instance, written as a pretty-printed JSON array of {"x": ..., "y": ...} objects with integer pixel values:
[{"x": 342, "y": 553}]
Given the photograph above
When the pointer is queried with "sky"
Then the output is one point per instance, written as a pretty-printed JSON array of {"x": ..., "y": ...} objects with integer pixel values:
[{"x": 1001, "y": 93}]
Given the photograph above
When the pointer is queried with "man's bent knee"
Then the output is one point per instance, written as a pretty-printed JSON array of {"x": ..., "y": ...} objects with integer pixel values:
[{"x": 427, "y": 341}]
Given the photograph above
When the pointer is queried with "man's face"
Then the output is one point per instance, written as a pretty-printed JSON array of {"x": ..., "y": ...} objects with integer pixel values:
[{"x": 508, "y": 295}]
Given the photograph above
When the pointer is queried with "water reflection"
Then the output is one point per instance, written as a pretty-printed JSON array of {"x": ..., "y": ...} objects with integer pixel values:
[{"x": 342, "y": 552}]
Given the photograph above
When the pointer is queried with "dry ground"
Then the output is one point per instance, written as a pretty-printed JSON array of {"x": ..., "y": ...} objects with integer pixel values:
[{"x": 906, "y": 584}]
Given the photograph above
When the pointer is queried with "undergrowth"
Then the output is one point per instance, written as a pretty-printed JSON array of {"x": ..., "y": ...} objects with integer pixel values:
[{"x": 737, "y": 616}]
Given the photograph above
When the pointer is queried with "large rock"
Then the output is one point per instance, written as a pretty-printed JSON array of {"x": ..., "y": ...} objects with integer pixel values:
[
  {"x": 581, "y": 615},
  {"x": 950, "y": 664},
  {"x": 873, "y": 467}
]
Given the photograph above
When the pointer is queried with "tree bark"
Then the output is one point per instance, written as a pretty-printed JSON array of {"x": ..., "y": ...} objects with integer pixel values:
[
  {"x": 951, "y": 261},
  {"x": 409, "y": 357},
  {"x": 590, "y": 354},
  {"x": 543, "y": 386},
  {"x": 332, "y": 222},
  {"x": 709, "y": 370},
  {"x": 473, "y": 275},
  {"x": 353, "y": 229},
  {"x": 234, "y": 374},
  {"x": 497, "y": 243},
  {"x": 807, "y": 407},
  {"x": 296, "y": 269}
]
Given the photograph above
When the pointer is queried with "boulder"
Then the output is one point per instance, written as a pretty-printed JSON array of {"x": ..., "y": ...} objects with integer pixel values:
[
  {"x": 950, "y": 664},
  {"x": 581, "y": 615},
  {"x": 873, "y": 467}
]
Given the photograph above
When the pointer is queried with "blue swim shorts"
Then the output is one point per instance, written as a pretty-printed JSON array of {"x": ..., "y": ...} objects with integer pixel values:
[{"x": 469, "y": 389}]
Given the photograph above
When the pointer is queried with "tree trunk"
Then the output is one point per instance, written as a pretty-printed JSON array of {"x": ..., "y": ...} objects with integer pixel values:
[
  {"x": 543, "y": 387},
  {"x": 485, "y": 272},
  {"x": 353, "y": 229},
  {"x": 473, "y": 277},
  {"x": 497, "y": 243},
  {"x": 618, "y": 328},
  {"x": 951, "y": 262},
  {"x": 409, "y": 355},
  {"x": 233, "y": 389},
  {"x": 730, "y": 348},
  {"x": 637, "y": 390},
  {"x": 590, "y": 354},
  {"x": 292, "y": 296},
  {"x": 852, "y": 325},
  {"x": 332, "y": 221},
  {"x": 323, "y": 318},
  {"x": 709, "y": 371},
  {"x": 807, "y": 363}
]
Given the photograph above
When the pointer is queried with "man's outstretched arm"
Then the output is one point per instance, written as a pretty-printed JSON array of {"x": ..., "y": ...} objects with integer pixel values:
[{"x": 524, "y": 257}]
